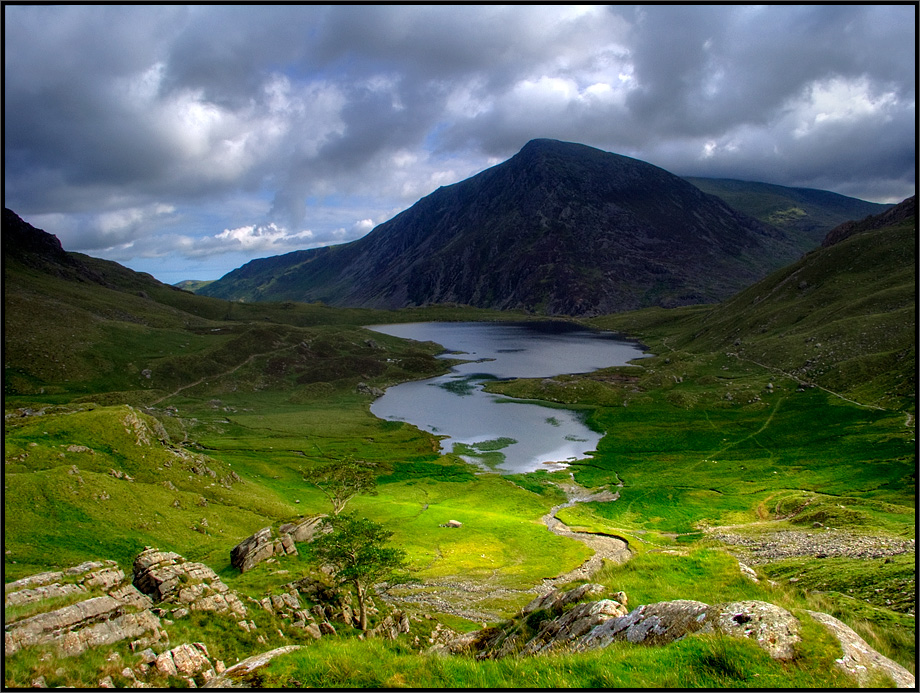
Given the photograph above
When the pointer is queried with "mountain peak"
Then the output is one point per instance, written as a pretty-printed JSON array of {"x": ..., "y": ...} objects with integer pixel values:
[{"x": 560, "y": 228}]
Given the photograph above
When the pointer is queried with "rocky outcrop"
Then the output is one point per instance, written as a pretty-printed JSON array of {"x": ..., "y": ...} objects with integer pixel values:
[
  {"x": 121, "y": 614},
  {"x": 563, "y": 621},
  {"x": 252, "y": 550},
  {"x": 167, "y": 576},
  {"x": 235, "y": 676},
  {"x": 262, "y": 545},
  {"x": 859, "y": 660}
]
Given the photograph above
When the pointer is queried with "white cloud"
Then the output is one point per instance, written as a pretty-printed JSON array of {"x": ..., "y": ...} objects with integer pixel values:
[{"x": 839, "y": 100}]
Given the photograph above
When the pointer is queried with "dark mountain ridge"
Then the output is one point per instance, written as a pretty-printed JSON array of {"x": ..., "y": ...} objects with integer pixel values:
[
  {"x": 560, "y": 228},
  {"x": 896, "y": 215}
]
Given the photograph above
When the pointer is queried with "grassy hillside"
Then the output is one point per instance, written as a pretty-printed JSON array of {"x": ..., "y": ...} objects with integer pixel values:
[
  {"x": 809, "y": 213},
  {"x": 842, "y": 318}
]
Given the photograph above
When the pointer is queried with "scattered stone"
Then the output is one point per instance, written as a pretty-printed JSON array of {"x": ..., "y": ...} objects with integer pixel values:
[
  {"x": 365, "y": 389},
  {"x": 391, "y": 626},
  {"x": 147, "y": 656},
  {"x": 776, "y": 546}
]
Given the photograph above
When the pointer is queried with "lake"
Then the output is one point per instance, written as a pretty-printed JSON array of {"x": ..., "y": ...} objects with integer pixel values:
[{"x": 493, "y": 431}]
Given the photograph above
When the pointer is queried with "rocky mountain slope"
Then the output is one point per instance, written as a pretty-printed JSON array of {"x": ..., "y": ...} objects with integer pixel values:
[{"x": 559, "y": 228}]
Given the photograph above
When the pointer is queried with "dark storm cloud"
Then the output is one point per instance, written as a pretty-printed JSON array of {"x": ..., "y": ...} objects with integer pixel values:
[{"x": 150, "y": 131}]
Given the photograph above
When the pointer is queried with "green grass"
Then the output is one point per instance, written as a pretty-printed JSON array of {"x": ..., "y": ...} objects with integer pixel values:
[{"x": 696, "y": 662}]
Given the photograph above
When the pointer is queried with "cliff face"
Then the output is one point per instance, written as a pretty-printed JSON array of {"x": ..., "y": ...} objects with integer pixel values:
[{"x": 559, "y": 228}]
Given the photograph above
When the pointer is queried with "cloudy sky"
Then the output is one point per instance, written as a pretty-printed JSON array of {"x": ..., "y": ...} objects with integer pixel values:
[{"x": 186, "y": 140}]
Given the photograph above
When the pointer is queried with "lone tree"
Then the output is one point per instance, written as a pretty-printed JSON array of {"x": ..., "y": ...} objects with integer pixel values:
[
  {"x": 342, "y": 480},
  {"x": 355, "y": 550}
]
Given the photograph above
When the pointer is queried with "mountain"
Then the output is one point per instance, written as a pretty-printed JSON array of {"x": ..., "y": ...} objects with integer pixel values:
[
  {"x": 805, "y": 213},
  {"x": 560, "y": 228}
]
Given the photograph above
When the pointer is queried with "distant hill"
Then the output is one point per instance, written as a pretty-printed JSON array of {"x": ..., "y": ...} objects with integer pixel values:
[
  {"x": 560, "y": 228},
  {"x": 806, "y": 213},
  {"x": 904, "y": 212},
  {"x": 76, "y": 326},
  {"x": 192, "y": 285}
]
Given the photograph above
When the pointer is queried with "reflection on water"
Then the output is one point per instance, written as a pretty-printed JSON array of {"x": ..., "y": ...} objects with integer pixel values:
[{"x": 494, "y": 431}]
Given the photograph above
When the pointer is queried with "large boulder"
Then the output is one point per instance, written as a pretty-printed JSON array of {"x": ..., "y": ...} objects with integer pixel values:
[
  {"x": 771, "y": 626},
  {"x": 253, "y": 550},
  {"x": 304, "y": 530}
]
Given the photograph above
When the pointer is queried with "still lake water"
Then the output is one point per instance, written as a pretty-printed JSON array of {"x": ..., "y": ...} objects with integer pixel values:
[{"x": 491, "y": 430}]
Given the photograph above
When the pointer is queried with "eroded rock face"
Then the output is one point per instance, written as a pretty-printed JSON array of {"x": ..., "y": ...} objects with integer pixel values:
[
  {"x": 121, "y": 614},
  {"x": 231, "y": 678},
  {"x": 167, "y": 576},
  {"x": 650, "y": 624},
  {"x": 575, "y": 623}
]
